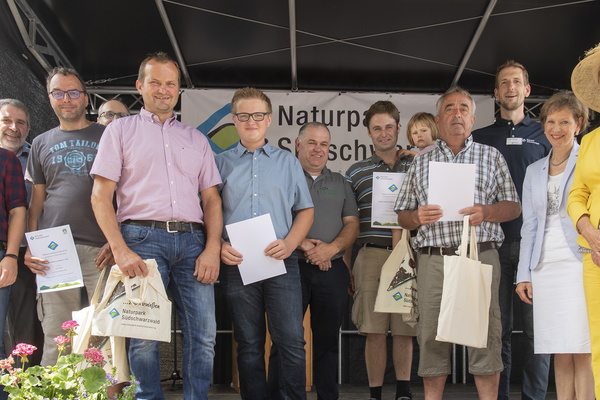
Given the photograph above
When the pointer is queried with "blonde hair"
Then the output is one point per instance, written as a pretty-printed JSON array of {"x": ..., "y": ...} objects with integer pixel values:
[
  {"x": 249, "y": 93},
  {"x": 426, "y": 119}
]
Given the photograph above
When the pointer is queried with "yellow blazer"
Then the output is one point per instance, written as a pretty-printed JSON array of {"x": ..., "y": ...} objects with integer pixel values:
[{"x": 584, "y": 197}]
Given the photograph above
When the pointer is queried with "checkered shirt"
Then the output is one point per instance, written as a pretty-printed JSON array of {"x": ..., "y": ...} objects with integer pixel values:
[{"x": 492, "y": 185}]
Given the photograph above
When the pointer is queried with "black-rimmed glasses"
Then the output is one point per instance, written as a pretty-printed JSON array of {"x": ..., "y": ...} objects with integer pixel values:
[
  {"x": 257, "y": 116},
  {"x": 60, "y": 94}
]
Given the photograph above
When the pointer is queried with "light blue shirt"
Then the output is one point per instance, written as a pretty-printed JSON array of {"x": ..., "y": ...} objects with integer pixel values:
[{"x": 266, "y": 181}]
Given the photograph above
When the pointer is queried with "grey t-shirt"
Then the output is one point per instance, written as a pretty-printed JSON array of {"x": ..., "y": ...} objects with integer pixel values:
[{"x": 62, "y": 160}]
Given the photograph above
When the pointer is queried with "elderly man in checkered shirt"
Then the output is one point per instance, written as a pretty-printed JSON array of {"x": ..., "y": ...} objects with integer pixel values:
[{"x": 496, "y": 201}]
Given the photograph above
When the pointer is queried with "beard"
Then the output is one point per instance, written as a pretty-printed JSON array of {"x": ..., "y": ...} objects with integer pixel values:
[{"x": 512, "y": 105}]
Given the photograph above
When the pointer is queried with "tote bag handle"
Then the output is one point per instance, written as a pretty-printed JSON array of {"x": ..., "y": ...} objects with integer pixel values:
[{"x": 464, "y": 242}]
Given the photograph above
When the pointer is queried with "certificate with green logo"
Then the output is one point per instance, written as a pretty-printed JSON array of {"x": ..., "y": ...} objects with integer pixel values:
[
  {"x": 386, "y": 186},
  {"x": 56, "y": 246}
]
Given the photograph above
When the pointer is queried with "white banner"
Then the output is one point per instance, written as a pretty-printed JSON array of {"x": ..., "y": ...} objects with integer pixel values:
[{"x": 210, "y": 111}]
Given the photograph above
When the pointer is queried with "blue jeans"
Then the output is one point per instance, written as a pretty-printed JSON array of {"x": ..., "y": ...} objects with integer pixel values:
[
  {"x": 4, "y": 298},
  {"x": 176, "y": 254},
  {"x": 281, "y": 298},
  {"x": 536, "y": 367}
]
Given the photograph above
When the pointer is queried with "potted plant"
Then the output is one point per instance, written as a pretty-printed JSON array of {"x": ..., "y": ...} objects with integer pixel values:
[{"x": 75, "y": 376}]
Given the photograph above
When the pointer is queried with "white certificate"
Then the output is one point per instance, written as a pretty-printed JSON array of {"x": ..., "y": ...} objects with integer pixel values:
[
  {"x": 56, "y": 245},
  {"x": 386, "y": 186},
  {"x": 452, "y": 187},
  {"x": 250, "y": 238}
]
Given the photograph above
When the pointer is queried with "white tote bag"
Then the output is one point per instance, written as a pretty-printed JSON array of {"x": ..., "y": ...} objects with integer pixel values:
[
  {"x": 397, "y": 291},
  {"x": 466, "y": 296},
  {"x": 134, "y": 307},
  {"x": 112, "y": 348}
]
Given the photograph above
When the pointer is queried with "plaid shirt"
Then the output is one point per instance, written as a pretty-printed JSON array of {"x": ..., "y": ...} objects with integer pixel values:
[
  {"x": 492, "y": 185},
  {"x": 12, "y": 187}
]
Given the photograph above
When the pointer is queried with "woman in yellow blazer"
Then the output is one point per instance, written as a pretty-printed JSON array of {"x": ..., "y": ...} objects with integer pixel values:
[{"x": 584, "y": 200}]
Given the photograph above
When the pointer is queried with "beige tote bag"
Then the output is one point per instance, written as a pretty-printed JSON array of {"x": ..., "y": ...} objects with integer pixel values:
[
  {"x": 113, "y": 348},
  {"x": 466, "y": 296},
  {"x": 397, "y": 291},
  {"x": 134, "y": 307}
]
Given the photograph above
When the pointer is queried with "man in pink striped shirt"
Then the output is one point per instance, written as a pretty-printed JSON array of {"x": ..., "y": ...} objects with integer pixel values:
[{"x": 161, "y": 169}]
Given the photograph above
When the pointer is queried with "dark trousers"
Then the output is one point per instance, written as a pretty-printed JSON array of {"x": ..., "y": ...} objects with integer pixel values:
[
  {"x": 536, "y": 367},
  {"x": 327, "y": 294},
  {"x": 281, "y": 298},
  {"x": 23, "y": 323}
]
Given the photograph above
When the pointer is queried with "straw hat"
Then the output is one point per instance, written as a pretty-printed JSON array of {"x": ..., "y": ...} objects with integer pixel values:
[{"x": 585, "y": 79}]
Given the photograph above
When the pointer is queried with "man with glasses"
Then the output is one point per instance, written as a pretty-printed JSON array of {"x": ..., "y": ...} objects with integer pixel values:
[
  {"x": 58, "y": 167},
  {"x": 162, "y": 167},
  {"x": 259, "y": 179},
  {"x": 111, "y": 110}
]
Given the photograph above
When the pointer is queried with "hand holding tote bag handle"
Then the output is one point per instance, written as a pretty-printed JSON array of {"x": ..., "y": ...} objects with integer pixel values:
[
  {"x": 139, "y": 308},
  {"x": 466, "y": 296}
]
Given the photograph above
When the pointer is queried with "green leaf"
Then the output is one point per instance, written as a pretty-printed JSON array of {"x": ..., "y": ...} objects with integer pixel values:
[
  {"x": 94, "y": 379},
  {"x": 30, "y": 381}
]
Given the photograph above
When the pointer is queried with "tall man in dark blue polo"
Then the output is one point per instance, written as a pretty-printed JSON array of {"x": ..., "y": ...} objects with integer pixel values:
[
  {"x": 521, "y": 141},
  {"x": 325, "y": 276}
]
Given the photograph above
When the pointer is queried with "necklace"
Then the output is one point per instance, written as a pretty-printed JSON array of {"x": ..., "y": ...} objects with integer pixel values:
[{"x": 557, "y": 164}]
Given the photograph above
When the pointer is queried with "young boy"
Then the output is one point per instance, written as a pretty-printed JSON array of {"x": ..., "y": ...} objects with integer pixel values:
[{"x": 260, "y": 179}]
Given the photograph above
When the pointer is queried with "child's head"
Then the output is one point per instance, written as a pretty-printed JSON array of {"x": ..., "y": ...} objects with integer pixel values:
[
  {"x": 422, "y": 130},
  {"x": 251, "y": 111}
]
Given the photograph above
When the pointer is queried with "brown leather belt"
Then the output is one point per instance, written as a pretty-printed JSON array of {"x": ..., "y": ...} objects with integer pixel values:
[
  {"x": 169, "y": 226},
  {"x": 451, "y": 251}
]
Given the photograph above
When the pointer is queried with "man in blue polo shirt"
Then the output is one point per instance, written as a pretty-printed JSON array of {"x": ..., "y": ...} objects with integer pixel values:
[{"x": 521, "y": 141}]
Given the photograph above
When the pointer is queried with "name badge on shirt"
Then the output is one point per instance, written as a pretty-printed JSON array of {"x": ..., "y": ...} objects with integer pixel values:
[{"x": 514, "y": 141}]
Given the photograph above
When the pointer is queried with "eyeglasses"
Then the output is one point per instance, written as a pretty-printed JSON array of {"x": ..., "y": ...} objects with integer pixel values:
[
  {"x": 257, "y": 116},
  {"x": 73, "y": 94},
  {"x": 112, "y": 115}
]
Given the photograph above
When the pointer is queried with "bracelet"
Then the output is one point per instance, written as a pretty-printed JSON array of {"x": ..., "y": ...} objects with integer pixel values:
[{"x": 11, "y": 256}]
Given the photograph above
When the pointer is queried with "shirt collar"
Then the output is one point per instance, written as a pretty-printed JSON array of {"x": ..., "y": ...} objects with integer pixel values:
[
  {"x": 24, "y": 150},
  {"x": 266, "y": 148},
  {"x": 154, "y": 118},
  {"x": 323, "y": 173},
  {"x": 504, "y": 122},
  {"x": 375, "y": 159},
  {"x": 468, "y": 143}
]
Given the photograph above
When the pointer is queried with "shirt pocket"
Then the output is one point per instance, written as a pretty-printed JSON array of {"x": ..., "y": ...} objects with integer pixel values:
[{"x": 191, "y": 161}]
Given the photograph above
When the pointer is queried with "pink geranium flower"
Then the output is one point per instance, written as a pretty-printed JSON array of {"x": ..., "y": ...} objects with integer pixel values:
[
  {"x": 69, "y": 325},
  {"x": 94, "y": 356},
  {"x": 23, "y": 350},
  {"x": 61, "y": 340},
  {"x": 7, "y": 363}
]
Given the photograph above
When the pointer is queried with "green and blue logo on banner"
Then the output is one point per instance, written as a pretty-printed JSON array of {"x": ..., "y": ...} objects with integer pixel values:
[{"x": 221, "y": 135}]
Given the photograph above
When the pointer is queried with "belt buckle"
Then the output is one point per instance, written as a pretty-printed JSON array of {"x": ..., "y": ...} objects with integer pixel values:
[{"x": 169, "y": 230}]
